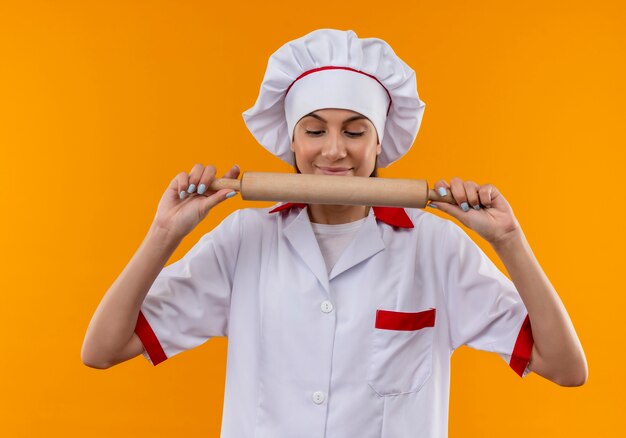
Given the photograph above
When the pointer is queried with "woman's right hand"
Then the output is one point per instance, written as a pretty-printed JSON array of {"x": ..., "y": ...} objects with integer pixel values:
[{"x": 182, "y": 208}]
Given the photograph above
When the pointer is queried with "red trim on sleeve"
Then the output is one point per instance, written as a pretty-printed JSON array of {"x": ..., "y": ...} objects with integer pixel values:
[
  {"x": 149, "y": 340},
  {"x": 523, "y": 348},
  {"x": 408, "y": 321}
]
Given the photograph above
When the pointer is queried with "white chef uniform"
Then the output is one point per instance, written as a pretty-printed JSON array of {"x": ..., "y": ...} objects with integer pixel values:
[{"x": 361, "y": 352}]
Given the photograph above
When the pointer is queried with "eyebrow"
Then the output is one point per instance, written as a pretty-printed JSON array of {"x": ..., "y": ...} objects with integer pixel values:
[{"x": 350, "y": 119}]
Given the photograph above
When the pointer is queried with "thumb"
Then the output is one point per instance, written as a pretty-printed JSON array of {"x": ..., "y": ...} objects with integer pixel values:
[
  {"x": 452, "y": 209},
  {"x": 211, "y": 201}
]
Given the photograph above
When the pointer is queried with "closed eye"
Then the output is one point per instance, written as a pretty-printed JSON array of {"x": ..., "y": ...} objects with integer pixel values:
[{"x": 353, "y": 134}]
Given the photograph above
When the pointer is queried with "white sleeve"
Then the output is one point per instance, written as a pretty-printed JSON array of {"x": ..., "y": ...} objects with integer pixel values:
[
  {"x": 189, "y": 301},
  {"x": 485, "y": 309}
]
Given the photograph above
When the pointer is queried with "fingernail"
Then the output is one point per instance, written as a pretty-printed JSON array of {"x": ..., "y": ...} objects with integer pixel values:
[
  {"x": 182, "y": 194},
  {"x": 477, "y": 207},
  {"x": 465, "y": 206},
  {"x": 231, "y": 194},
  {"x": 201, "y": 189},
  {"x": 442, "y": 191},
  {"x": 191, "y": 188},
  {"x": 431, "y": 205}
]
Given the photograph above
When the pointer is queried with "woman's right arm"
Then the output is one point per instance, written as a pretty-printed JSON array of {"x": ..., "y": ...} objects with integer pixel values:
[{"x": 110, "y": 337}]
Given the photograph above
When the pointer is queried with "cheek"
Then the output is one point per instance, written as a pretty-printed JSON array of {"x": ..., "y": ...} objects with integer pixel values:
[
  {"x": 304, "y": 152},
  {"x": 367, "y": 151}
]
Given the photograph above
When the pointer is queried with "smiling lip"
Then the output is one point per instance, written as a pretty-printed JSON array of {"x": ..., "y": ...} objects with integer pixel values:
[{"x": 335, "y": 170}]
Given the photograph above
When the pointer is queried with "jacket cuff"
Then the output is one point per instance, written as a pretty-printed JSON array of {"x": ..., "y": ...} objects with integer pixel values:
[
  {"x": 520, "y": 358},
  {"x": 149, "y": 340}
]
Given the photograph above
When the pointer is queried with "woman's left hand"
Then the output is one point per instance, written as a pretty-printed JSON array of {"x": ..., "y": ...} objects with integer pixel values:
[{"x": 480, "y": 208}]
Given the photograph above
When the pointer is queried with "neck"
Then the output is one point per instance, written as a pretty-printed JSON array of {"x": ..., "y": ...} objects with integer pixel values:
[{"x": 336, "y": 214}]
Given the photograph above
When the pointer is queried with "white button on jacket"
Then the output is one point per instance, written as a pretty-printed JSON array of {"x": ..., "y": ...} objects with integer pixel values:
[
  {"x": 318, "y": 397},
  {"x": 327, "y": 306},
  {"x": 375, "y": 361}
]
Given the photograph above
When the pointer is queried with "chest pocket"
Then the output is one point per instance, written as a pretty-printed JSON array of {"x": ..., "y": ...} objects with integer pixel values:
[{"x": 401, "y": 356}]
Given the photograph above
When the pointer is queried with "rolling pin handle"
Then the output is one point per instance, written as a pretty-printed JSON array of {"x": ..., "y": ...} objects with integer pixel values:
[{"x": 225, "y": 183}]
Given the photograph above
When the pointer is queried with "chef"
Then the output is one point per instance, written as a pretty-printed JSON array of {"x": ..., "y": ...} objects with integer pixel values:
[{"x": 341, "y": 320}]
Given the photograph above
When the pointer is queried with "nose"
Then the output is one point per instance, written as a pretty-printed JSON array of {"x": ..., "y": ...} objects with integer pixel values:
[{"x": 334, "y": 148}]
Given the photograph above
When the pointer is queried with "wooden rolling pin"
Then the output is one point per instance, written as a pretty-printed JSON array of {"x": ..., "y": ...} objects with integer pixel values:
[{"x": 330, "y": 189}]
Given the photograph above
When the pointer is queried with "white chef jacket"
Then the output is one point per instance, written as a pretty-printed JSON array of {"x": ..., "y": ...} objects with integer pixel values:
[{"x": 361, "y": 352}]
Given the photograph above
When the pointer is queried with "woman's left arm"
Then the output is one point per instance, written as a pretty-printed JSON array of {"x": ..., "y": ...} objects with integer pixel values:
[{"x": 557, "y": 353}]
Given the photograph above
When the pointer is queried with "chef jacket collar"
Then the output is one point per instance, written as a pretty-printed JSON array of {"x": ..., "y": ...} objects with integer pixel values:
[{"x": 393, "y": 216}]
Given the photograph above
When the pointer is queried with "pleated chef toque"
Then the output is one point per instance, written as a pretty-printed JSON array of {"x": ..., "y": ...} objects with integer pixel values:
[{"x": 330, "y": 68}]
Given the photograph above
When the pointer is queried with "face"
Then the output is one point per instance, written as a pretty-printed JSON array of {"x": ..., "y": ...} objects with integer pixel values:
[{"x": 335, "y": 142}]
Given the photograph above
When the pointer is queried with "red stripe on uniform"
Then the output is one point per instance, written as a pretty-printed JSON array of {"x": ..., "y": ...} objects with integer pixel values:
[
  {"x": 523, "y": 348},
  {"x": 393, "y": 216},
  {"x": 390, "y": 320},
  {"x": 149, "y": 340},
  {"x": 287, "y": 206}
]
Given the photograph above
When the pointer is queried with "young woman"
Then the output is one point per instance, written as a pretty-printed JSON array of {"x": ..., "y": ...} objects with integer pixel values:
[{"x": 341, "y": 319}]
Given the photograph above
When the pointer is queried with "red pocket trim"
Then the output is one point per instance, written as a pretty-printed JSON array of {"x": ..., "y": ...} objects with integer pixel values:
[{"x": 391, "y": 320}]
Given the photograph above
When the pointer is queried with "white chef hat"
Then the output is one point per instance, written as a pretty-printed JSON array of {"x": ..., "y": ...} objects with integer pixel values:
[{"x": 329, "y": 68}]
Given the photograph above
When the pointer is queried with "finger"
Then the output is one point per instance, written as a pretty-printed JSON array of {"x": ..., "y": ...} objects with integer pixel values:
[
  {"x": 233, "y": 172},
  {"x": 442, "y": 187},
  {"x": 485, "y": 194},
  {"x": 458, "y": 192},
  {"x": 173, "y": 186},
  {"x": 471, "y": 190},
  {"x": 182, "y": 180},
  {"x": 208, "y": 175},
  {"x": 194, "y": 177}
]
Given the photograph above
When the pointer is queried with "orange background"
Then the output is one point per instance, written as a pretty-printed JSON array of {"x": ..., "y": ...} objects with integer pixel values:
[{"x": 102, "y": 103}]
